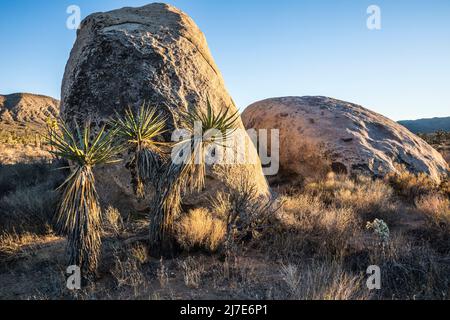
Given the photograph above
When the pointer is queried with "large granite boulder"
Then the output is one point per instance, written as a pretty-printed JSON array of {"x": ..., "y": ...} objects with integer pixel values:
[
  {"x": 320, "y": 134},
  {"x": 156, "y": 55}
]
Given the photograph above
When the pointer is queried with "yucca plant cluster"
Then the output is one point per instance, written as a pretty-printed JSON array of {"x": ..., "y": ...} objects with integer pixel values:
[
  {"x": 79, "y": 213},
  {"x": 205, "y": 130}
]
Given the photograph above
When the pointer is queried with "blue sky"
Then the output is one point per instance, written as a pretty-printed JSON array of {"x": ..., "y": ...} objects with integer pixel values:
[{"x": 269, "y": 49}]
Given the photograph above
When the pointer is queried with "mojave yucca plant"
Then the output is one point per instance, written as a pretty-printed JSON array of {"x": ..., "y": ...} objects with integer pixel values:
[
  {"x": 140, "y": 132},
  {"x": 205, "y": 130},
  {"x": 79, "y": 213}
]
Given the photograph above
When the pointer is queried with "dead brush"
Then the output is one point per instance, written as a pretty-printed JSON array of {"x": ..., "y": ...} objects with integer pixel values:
[
  {"x": 192, "y": 272},
  {"x": 411, "y": 271},
  {"x": 127, "y": 271},
  {"x": 436, "y": 209},
  {"x": 246, "y": 213},
  {"x": 113, "y": 222}
]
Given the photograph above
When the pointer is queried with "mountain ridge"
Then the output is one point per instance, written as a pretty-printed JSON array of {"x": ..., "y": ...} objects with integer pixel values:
[
  {"x": 24, "y": 107},
  {"x": 427, "y": 125}
]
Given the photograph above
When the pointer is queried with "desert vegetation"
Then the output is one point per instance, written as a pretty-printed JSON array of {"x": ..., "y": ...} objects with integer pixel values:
[
  {"x": 314, "y": 241},
  {"x": 440, "y": 140},
  {"x": 311, "y": 242}
]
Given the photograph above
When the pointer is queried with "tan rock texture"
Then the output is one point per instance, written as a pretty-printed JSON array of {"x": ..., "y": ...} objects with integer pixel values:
[
  {"x": 27, "y": 108},
  {"x": 319, "y": 134},
  {"x": 154, "y": 54}
]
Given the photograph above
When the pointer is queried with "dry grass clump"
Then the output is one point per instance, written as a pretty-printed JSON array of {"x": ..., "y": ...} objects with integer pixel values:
[
  {"x": 306, "y": 225},
  {"x": 411, "y": 186},
  {"x": 199, "y": 229},
  {"x": 13, "y": 244},
  {"x": 112, "y": 221},
  {"x": 29, "y": 209},
  {"x": 437, "y": 208},
  {"x": 322, "y": 281},
  {"x": 361, "y": 193}
]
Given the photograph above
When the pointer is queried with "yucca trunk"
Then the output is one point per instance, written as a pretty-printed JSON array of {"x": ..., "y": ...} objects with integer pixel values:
[
  {"x": 79, "y": 217},
  {"x": 171, "y": 187},
  {"x": 137, "y": 175}
]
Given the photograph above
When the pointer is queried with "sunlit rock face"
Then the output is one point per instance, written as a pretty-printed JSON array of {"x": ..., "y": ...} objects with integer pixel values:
[
  {"x": 320, "y": 134},
  {"x": 156, "y": 55}
]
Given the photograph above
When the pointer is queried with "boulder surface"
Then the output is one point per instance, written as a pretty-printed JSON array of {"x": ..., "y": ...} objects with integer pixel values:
[
  {"x": 155, "y": 55},
  {"x": 320, "y": 134}
]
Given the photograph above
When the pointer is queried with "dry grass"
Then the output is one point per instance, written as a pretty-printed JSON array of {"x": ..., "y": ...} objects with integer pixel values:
[
  {"x": 316, "y": 246},
  {"x": 306, "y": 225},
  {"x": 112, "y": 221},
  {"x": 13, "y": 245},
  {"x": 411, "y": 186},
  {"x": 322, "y": 281},
  {"x": 27, "y": 197},
  {"x": 127, "y": 272},
  {"x": 363, "y": 194},
  {"x": 200, "y": 230},
  {"x": 192, "y": 272},
  {"x": 437, "y": 208}
]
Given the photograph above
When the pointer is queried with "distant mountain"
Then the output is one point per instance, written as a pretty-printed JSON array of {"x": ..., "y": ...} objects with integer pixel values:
[
  {"x": 427, "y": 125},
  {"x": 27, "y": 108}
]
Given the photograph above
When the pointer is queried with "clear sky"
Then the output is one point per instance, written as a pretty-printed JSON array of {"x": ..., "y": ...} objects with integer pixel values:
[{"x": 268, "y": 48}]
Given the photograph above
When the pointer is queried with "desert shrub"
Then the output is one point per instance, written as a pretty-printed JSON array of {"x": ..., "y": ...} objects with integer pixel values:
[
  {"x": 436, "y": 232},
  {"x": 409, "y": 185},
  {"x": 322, "y": 280},
  {"x": 199, "y": 229},
  {"x": 307, "y": 226},
  {"x": 246, "y": 213},
  {"x": 411, "y": 271},
  {"x": 362, "y": 193},
  {"x": 29, "y": 209},
  {"x": 127, "y": 272},
  {"x": 112, "y": 221},
  {"x": 22, "y": 175},
  {"x": 380, "y": 229},
  {"x": 437, "y": 209}
]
